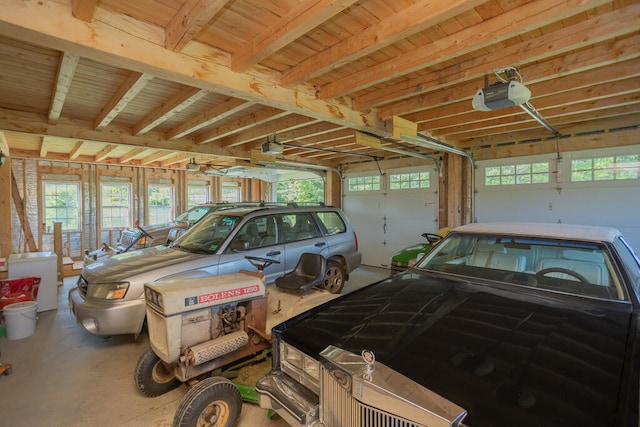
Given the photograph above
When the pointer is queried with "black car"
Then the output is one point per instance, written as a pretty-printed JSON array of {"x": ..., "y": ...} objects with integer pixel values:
[{"x": 500, "y": 325}]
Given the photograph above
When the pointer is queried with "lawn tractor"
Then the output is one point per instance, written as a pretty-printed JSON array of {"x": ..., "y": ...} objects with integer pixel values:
[{"x": 198, "y": 326}]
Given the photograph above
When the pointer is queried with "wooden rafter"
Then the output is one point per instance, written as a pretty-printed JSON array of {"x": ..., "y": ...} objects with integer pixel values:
[
  {"x": 126, "y": 92},
  {"x": 192, "y": 17},
  {"x": 295, "y": 23},
  {"x": 397, "y": 27},
  {"x": 77, "y": 149},
  {"x": 104, "y": 153},
  {"x": 66, "y": 69},
  {"x": 84, "y": 9},
  {"x": 208, "y": 117},
  {"x": 173, "y": 106},
  {"x": 508, "y": 25}
]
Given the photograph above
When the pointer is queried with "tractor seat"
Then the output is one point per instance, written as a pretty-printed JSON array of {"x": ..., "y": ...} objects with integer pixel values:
[{"x": 309, "y": 272}]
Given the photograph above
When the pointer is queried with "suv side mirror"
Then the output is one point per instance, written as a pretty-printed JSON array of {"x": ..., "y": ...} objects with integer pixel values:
[{"x": 239, "y": 245}]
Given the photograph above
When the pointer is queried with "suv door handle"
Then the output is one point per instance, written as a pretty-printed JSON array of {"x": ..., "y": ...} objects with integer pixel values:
[
  {"x": 273, "y": 253},
  {"x": 320, "y": 244}
]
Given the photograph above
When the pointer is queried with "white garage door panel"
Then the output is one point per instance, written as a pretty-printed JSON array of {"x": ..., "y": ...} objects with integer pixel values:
[
  {"x": 607, "y": 203},
  {"x": 410, "y": 214},
  {"x": 389, "y": 220}
]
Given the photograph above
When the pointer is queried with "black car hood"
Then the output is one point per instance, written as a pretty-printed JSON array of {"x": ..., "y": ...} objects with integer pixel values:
[{"x": 509, "y": 357}]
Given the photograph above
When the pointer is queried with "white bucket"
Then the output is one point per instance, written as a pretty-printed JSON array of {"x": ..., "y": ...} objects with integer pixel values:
[{"x": 20, "y": 319}]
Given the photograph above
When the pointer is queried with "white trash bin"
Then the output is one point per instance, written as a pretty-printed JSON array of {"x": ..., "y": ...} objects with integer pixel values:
[{"x": 20, "y": 319}]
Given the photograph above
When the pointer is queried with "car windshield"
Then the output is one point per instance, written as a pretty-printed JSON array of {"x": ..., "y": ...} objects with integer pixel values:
[
  {"x": 571, "y": 267},
  {"x": 193, "y": 215},
  {"x": 207, "y": 236}
]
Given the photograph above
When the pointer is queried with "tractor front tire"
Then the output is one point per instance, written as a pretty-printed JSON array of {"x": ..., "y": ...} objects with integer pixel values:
[
  {"x": 152, "y": 376},
  {"x": 214, "y": 401}
]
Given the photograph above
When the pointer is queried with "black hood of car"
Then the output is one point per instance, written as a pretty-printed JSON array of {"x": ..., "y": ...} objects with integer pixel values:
[{"x": 510, "y": 356}]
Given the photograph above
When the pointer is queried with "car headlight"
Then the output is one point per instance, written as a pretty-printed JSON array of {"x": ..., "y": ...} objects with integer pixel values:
[
  {"x": 299, "y": 366},
  {"x": 115, "y": 290}
]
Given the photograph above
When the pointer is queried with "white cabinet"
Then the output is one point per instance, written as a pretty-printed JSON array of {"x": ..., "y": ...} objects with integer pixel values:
[{"x": 38, "y": 264}]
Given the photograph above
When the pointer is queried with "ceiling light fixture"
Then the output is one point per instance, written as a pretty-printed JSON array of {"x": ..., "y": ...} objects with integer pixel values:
[{"x": 272, "y": 146}]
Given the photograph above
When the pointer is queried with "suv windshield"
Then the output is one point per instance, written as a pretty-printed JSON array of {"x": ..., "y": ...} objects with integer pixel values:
[
  {"x": 207, "y": 236},
  {"x": 566, "y": 266}
]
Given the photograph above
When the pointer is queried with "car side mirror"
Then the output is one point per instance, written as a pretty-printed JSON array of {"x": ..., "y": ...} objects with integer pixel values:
[{"x": 239, "y": 245}]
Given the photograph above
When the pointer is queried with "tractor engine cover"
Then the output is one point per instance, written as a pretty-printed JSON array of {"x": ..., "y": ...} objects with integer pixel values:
[{"x": 186, "y": 312}]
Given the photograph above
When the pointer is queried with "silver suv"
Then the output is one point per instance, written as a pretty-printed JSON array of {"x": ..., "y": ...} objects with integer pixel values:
[{"x": 109, "y": 299}]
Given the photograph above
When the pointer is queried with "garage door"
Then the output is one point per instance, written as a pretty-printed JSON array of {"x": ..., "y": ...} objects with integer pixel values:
[
  {"x": 592, "y": 187},
  {"x": 391, "y": 211}
]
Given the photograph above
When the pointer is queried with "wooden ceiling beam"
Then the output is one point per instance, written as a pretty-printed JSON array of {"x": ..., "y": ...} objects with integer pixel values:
[
  {"x": 193, "y": 17},
  {"x": 401, "y": 25},
  {"x": 50, "y": 24},
  {"x": 295, "y": 23},
  {"x": 490, "y": 32},
  {"x": 582, "y": 100},
  {"x": 595, "y": 124},
  {"x": 36, "y": 124},
  {"x": 218, "y": 112},
  {"x": 181, "y": 100},
  {"x": 549, "y": 146},
  {"x": 44, "y": 146},
  {"x": 77, "y": 149},
  {"x": 241, "y": 124},
  {"x": 66, "y": 69},
  {"x": 177, "y": 158},
  {"x": 563, "y": 91},
  {"x": 261, "y": 131},
  {"x": 131, "y": 154},
  {"x": 118, "y": 102},
  {"x": 554, "y": 44},
  {"x": 84, "y": 9},
  {"x": 157, "y": 157},
  {"x": 566, "y": 124},
  {"x": 310, "y": 130},
  {"x": 104, "y": 153},
  {"x": 430, "y": 103}
]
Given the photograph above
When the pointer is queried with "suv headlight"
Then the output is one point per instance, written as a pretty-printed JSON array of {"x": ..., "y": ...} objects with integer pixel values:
[
  {"x": 299, "y": 366},
  {"x": 110, "y": 291}
]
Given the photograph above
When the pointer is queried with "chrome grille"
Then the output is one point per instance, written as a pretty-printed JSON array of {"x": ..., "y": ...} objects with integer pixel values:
[
  {"x": 82, "y": 285},
  {"x": 339, "y": 408}
]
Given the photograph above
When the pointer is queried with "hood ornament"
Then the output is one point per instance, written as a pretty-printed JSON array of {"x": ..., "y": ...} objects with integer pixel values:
[{"x": 369, "y": 359}]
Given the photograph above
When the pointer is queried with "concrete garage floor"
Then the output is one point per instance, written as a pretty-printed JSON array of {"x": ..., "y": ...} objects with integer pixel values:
[{"x": 64, "y": 376}]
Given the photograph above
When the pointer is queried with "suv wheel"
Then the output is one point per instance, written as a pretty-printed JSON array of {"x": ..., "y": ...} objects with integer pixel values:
[{"x": 334, "y": 278}]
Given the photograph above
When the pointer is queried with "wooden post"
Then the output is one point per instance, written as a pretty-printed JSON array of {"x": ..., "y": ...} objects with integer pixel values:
[
  {"x": 57, "y": 247},
  {"x": 5, "y": 200}
]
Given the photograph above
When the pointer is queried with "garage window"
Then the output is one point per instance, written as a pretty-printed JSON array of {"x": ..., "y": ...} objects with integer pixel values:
[
  {"x": 115, "y": 201},
  {"x": 611, "y": 168},
  {"x": 364, "y": 183},
  {"x": 401, "y": 181},
  {"x": 231, "y": 191},
  {"x": 197, "y": 194},
  {"x": 160, "y": 204},
  {"x": 61, "y": 204},
  {"x": 524, "y": 173}
]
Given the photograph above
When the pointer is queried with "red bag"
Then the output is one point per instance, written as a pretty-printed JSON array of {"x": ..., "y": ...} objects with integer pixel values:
[
  {"x": 24, "y": 284},
  {"x": 14, "y": 297}
]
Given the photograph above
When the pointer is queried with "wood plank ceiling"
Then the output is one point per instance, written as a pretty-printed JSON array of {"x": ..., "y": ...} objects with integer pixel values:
[{"x": 160, "y": 82}]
